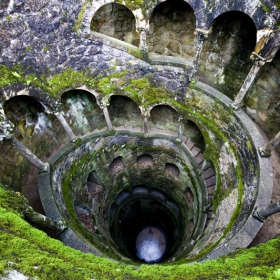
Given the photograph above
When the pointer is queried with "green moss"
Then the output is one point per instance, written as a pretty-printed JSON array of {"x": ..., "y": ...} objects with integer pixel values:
[
  {"x": 78, "y": 24},
  {"x": 145, "y": 94},
  {"x": 72, "y": 180},
  {"x": 34, "y": 254},
  {"x": 13, "y": 201},
  {"x": 277, "y": 3},
  {"x": 104, "y": 86},
  {"x": 132, "y": 4},
  {"x": 266, "y": 8},
  {"x": 52, "y": 85}
]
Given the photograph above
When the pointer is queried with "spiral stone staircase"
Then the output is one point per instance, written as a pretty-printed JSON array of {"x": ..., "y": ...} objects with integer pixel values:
[{"x": 134, "y": 131}]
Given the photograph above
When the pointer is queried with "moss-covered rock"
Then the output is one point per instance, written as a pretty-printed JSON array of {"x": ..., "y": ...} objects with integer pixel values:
[{"x": 33, "y": 253}]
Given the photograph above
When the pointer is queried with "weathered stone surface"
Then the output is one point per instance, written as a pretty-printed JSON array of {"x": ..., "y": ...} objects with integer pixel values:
[{"x": 44, "y": 37}]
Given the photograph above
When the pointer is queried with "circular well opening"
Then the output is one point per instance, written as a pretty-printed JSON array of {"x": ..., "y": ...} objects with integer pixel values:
[{"x": 150, "y": 245}]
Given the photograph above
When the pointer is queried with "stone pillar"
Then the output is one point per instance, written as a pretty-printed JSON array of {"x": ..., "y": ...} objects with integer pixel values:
[
  {"x": 238, "y": 101},
  {"x": 107, "y": 117},
  {"x": 268, "y": 43},
  {"x": 201, "y": 35},
  {"x": 6, "y": 127},
  {"x": 180, "y": 132},
  {"x": 6, "y": 132},
  {"x": 41, "y": 220},
  {"x": 143, "y": 40},
  {"x": 146, "y": 125},
  {"x": 56, "y": 109},
  {"x": 66, "y": 126},
  {"x": 265, "y": 151},
  {"x": 145, "y": 112},
  {"x": 29, "y": 155},
  {"x": 263, "y": 213},
  {"x": 103, "y": 103}
]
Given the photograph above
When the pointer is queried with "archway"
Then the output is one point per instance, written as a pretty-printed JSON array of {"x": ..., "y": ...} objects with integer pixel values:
[
  {"x": 172, "y": 28},
  {"x": 124, "y": 112},
  {"x": 117, "y": 21},
  {"x": 225, "y": 59},
  {"x": 82, "y": 112},
  {"x": 164, "y": 117}
]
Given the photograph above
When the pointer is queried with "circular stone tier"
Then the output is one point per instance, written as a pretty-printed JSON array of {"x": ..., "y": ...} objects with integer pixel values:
[{"x": 114, "y": 188}]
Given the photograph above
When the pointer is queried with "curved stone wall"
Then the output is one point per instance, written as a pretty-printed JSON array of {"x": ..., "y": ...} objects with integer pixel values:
[
  {"x": 115, "y": 101},
  {"x": 237, "y": 189}
]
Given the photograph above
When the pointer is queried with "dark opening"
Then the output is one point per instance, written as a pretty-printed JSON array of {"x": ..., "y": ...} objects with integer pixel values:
[{"x": 145, "y": 227}]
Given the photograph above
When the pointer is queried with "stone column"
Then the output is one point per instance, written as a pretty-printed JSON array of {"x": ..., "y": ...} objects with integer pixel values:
[
  {"x": 263, "y": 213},
  {"x": 103, "y": 103},
  {"x": 180, "y": 132},
  {"x": 29, "y": 155},
  {"x": 265, "y": 151},
  {"x": 143, "y": 40},
  {"x": 66, "y": 126},
  {"x": 41, "y": 220},
  {"x": 56, "y": 109},
  {"x": 146, "y": 125},
  {"x": 238, "y": 101},
  {"x": 145, "y": 112},
  {"x": 268, "y": 43},
  {"x": 6, "y": 132},
  {"x": 201, "y": 35},
  {"x": 107, "y": 117}
]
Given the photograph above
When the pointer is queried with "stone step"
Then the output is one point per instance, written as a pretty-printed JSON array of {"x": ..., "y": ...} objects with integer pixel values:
[
  {"x": 128, "y": 127},
  {"x": 199, "y": 159},
  {"x": 210, "y": 190},
  {"x": 211, "y": 181},
  {"x": 122, "y": 127},
  {"x": 162, "y": 131},
  {"x": 209, "y": 214},
  {"x": 209, "y": 172},
  {"x": 184, "y": 139},
  {"x": 190, "y": 144},
  {"x": 195, "y": 151},
  {"x": 138, "y": 129},
  {"x": 206, "y": 165}
]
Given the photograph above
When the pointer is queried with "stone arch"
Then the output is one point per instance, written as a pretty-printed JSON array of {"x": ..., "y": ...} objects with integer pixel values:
[
  {"x": 23, "y": 111},
  {"x": 124, "y": 111},
  {"x": 82, "y": 111},
  {"x": 145, "y": 161},
  {"x": 38, "y": 129},
  {"x": 193, "y": 132},
  {"x": 172, "y": 170},
  {"x": 42, "y": 134},
  {"x": 117, "y": 21},
  {"x": 116, "y": 166},
  {"x": 94, "y": 186},
  {"x": 263, "y": 98},
  {"x": 225, "y": 58},
  {"x": 171, "y": 32},
  {"x": 164, "y": 117}
]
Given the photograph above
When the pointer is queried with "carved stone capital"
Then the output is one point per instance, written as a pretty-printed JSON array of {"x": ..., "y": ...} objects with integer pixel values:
[
  {"x": 6, "y": 128},
  {"x": 202, "y": 33},
  {"x": 56, "y": 106},
  {"x": 104, "y": 102},
  {"x": 263, "y": 152},
  {"x": 145, "y": 112}
]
